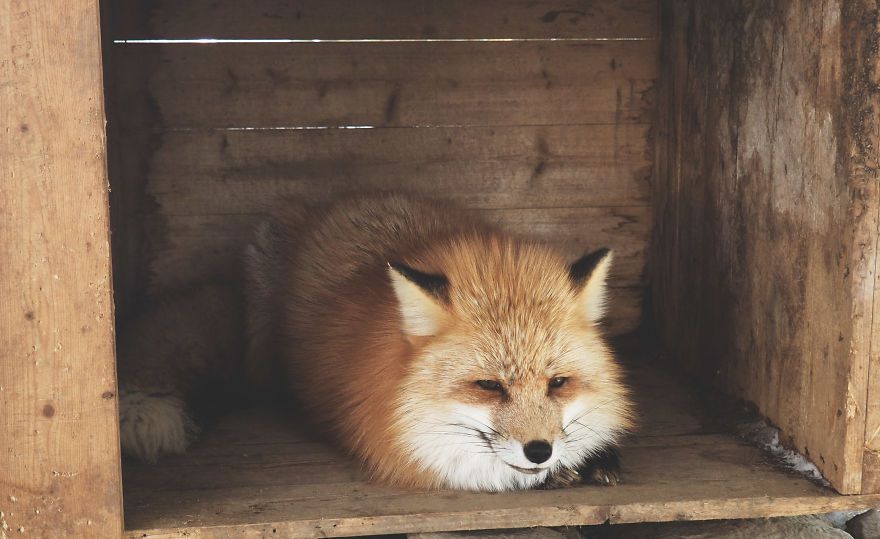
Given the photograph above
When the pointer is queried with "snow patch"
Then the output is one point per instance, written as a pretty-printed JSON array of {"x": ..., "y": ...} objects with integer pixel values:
[{"x": 767, "y": 437}]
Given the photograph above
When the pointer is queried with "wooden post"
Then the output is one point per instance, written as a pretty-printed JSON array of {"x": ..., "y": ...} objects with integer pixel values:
[{"x": 59, "y": 448}]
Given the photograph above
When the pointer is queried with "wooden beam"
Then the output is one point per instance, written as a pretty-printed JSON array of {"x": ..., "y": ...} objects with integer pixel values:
[
  {"x": 270, "y": 85},
  {"x": 384, "y": 19},
  {"x": 59, "y": 448}
]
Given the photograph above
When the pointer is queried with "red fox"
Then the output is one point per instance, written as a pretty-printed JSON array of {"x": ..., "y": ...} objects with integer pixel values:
[{"x": 436, "y": 349}]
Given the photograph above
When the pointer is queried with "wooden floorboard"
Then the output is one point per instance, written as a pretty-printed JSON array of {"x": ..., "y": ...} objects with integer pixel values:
[{"x": 254, "y": 476}]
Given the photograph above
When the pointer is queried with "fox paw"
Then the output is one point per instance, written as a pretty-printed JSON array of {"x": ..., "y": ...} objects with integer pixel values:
[
  {"x": 602, "y": 470},
  {"x": 565, "y": 477},
  {"x": 154, "y": 424}
]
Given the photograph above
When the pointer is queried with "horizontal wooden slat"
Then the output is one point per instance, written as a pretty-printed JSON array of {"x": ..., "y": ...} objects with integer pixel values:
[
  {"x": 215, "y": 492},
  {"x": 385, "y": 19},
  {"x": 385, "y": 84},
  {"x": 217, "y": 172}
]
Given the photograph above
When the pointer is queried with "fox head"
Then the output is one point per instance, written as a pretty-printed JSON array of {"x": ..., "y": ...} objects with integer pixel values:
[{"x": 510, "y": 378}]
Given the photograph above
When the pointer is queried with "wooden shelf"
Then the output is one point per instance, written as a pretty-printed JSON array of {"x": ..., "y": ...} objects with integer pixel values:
[{"x": 254, "y": 476}]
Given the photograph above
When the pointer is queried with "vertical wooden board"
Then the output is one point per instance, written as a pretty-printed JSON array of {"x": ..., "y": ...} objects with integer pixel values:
[
  {"x": 385, "y": 19},
  {"x": 868, "y": 76},
  {"x": 59, "y": 443},
  {"x": 766, "y": 229}
]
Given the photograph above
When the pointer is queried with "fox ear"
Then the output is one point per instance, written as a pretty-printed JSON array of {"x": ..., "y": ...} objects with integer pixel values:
[
  {"x": 589, "y": 275},
  {"x": 420, "y": 297}
]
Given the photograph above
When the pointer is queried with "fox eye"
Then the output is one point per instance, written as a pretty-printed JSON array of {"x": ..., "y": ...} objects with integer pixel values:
[
  {"x": 489, "y": 385},
  {"x": 557, "y": 382}
]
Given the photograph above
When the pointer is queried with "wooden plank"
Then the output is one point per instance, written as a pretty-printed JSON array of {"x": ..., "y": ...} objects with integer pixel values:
[
  {"x": 871, "y": 471},
  {"x": 389, "y": 84},
  {"x": 518, "y": 167},
  {"x": 212, "y": 241},
  {"x": 275, "y": 480},
  {"x": 869, "y": 161},
  {"x": 778, "y": 202},
  {"x": 388, "y": 19},
  {"x": 59, "y": 444}
]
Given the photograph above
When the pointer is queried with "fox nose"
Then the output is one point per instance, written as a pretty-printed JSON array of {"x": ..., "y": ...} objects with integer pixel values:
[{"x": 538, "y": 451}]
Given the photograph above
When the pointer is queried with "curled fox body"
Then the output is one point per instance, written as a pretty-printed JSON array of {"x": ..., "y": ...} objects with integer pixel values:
[{"x": 436, "y": 349}]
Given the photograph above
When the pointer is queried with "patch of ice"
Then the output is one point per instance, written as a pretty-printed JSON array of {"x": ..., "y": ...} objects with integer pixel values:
[{"x": 766, "y": 436}]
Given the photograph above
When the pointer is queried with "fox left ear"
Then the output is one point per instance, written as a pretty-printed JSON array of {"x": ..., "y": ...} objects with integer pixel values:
[
  {"x": 420, "y": 297},
  {"x": 589, "y": 275}
]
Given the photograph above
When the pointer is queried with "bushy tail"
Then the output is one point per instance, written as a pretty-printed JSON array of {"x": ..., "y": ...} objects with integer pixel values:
[
  {"x": 179, "y": 363},
  {"x": 154, "y": 424}
]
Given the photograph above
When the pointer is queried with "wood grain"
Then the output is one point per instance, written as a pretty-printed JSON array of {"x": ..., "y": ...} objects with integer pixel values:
[
  {"x": 764, "y": 264},
  {"x": 255, "y": 475},
  {"x": 59, "y": 447},
  {"x": 514, "y": 167},
  {"x": 871, "y": 471},
  {"x": 388, "y": 84},
  {"x": 867, "y": 161},
  {"x": 387, "y": 19}
]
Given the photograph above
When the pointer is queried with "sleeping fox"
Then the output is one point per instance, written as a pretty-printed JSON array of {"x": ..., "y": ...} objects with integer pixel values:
[{"x": 436, "y": 349}]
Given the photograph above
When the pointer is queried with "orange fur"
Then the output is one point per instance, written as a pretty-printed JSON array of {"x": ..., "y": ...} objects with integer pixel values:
[{"x": 378, "y": 364}]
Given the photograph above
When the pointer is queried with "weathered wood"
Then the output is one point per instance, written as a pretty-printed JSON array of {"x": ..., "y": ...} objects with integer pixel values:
[
  {"x": 871, "y": 471},
  {"x": 389, "y": 84},
  {"x": 866, "y": 67},
  {"x": 59, "y": 445},
  {"x": 255, "y": 476},
  {"x": 767, "y": 213},
  {"x": 387, "y": 19},
  {"x": 515, "y": 167}
]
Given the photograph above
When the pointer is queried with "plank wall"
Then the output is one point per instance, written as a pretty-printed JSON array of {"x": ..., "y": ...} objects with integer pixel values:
[
  {"x": 537, "y": 114},
  {"x": 763, "y": 268}
]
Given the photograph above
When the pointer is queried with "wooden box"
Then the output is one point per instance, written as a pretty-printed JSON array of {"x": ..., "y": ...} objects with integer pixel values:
[{"x": 728, "y": 152}]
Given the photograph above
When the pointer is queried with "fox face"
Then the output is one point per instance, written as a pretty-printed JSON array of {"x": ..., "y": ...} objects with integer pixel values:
[{"x": 511, "y": 380}]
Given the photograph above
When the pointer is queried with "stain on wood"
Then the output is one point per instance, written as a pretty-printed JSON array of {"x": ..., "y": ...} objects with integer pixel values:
[
  {"x": 766, "y": 208},
  {"x": 59, "y": 446}
]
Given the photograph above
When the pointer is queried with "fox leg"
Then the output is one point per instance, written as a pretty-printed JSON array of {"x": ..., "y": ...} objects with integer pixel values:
[{"x": 602, "y": 469}]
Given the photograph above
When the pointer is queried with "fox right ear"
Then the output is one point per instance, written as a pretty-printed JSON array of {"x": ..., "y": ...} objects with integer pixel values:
[
  {"x": 589, "y": 276},
  {"x": 420, "y": 297}
]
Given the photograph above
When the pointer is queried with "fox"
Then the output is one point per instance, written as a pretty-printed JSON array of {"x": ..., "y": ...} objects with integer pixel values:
[{"x": 439, "y": 351}]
